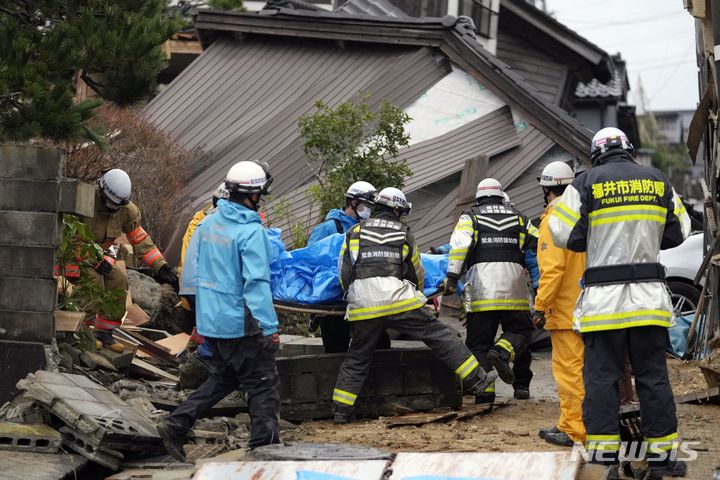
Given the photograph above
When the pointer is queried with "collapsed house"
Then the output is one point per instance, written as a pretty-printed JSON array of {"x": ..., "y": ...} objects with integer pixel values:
[{"x": 474, "y": 114}]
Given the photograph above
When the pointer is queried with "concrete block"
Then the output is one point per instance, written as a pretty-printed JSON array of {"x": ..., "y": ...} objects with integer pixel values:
[
  {"x": 30, "y": 262},
  {"x": 25, "y": 326},
  {"x": 417, "y": 381},
  {"x": 29, "y": 228},
  {"x": 19, "y": 359},
  {"x": 88, "y": 448},
  {"x": 27, "y": 294},
  {"x": 40, "y": 466},
  {"x": 29, "y": 438},
  {"x": 76, "y": 197},
  {"x": 304, "y": 387},
  {"x": 29, "y": 195},
  {"x": 30, "y": 162}
]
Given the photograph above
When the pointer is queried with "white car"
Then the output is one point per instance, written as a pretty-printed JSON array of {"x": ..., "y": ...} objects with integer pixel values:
[{"x": 682, "y": 264}]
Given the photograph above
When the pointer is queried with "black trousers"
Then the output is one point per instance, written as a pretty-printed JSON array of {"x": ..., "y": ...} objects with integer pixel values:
[
  {"x": 239, "y": 363},
  {"x": 336, "y": 331},
  {"x": 604, "y": 365},
  {"x": 517, "y": 329},
  {"x": 418, "y": 324}
]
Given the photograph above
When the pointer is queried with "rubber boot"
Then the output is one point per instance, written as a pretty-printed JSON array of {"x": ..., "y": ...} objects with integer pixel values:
[
  {"x": 521, "y": 392},
  {"x": 105, "y": 337},
  {"x": 482, "y": 382},
  {"x": 544, "y": 431},
  {"x": 668, "y": 468},
  {"x": 561, "y": 439},
  {"x": 500, "y": 359},
  {"x": 343, "y": 414},
  {"x": 173, "y": 438}
]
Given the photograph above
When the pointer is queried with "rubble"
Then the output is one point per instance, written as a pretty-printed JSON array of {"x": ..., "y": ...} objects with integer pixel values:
[{"x": 28, "y": 438}]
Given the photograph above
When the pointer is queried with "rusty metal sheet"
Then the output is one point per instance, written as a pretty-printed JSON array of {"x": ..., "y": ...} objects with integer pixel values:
[
  {"x": 286, "y": 470},
  {"x": 482, "y": 466}
]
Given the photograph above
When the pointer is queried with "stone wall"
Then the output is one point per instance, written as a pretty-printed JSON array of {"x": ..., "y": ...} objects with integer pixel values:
[{"x": 32, "y": 196}]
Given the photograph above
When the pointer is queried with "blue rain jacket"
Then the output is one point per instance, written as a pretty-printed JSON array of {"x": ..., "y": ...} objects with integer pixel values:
[
  {"x": 232, "y": 282},
  {"x": 329, "y": 227}
]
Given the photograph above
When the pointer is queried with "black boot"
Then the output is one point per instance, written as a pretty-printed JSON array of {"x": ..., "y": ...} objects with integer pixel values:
[
  {"x": 481, "y": 382},
  {"x": 544, "y": 431},
  {"x": 668, "y": 468},
  {"x": 173, "y": 438},
  {"x": 343, "y": 414},
  {"x": 521, "y": 392},
  {"x": 485, "y": 397},
  {"x": 500, "y": 359}
]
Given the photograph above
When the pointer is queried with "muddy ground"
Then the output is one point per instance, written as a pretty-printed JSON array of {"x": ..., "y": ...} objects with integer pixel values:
[{"x": 514, "y": 425}]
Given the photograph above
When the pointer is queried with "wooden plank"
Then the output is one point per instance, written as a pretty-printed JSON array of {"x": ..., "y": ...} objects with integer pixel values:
[
  {"x": 711, "y": 395},
  {"x": 176, "y": 344},
  {"x": 147, "y": 345},
  {"x": 418, "y": 419},
  {"x": 291, "y": 470},
  {"x": 498, "y": 466},
  {"x": 143, "y": 368}
]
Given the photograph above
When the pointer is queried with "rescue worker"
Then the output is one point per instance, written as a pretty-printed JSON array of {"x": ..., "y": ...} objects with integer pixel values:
[
  {"x": 622, "y": 214},
  {"x": 235, "y": 313},
  {"x": 188, "y": 301},
  {"x": 489, "y": 241},
  {"x": 381, "y": 272},
  {"x": 560, "y": 274},
  {"x": 359, "y": 197},
  {"x": 114, "y": 215}
]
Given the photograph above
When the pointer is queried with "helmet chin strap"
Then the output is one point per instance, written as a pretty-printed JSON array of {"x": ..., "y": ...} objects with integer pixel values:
[{"x": 546, "y": 192}]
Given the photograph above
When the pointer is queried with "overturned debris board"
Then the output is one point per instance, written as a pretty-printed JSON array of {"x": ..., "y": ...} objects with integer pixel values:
[
  {"x": 39, "y": 466},
  {"x": 176, "y": 344},
  {"x": 135, "y": 316},
  {"x": 482, "y": 466},
  {"x": 286, "y": 470},
  {"x": 148, "y": 370},
  {"x": 418, "y": 419}
]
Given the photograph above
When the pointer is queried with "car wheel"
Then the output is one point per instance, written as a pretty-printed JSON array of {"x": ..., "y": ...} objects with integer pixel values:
[{"x": 685, "y": 298}]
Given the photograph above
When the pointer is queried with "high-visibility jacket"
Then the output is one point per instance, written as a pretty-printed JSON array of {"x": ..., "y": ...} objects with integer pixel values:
[
  {"x": 621, "y": 213},
  {"x": 490, "y": 240},
  {"x": 380, "y": 269},
  {"x": 561, "y": 271},
  {"x": 194, "y": 222},
  {"x": 108, "y": 226}
]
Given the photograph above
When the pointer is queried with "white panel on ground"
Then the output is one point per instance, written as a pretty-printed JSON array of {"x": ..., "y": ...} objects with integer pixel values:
[
  {"x": 454, "y": 101},
  {"x": 484, "y": 466},
  {"x": 300, "y": 470}
]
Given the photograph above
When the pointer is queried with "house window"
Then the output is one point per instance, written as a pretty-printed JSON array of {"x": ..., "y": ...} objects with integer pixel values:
[{"x": 482, "y": 14}]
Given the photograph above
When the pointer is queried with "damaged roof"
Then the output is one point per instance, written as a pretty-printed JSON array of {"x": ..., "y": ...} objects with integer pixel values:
[{"x": 261, "y": 71}]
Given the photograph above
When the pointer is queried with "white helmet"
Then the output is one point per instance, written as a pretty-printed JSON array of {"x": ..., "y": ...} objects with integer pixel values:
[
  {"x": 392, "y": 197},
  {"x": 221, "y": 192},
  {"x": 488, "y": 187},
  {"x": 248, "y": 177},
  {"x": 115, "y": 187},
  {"x": 362, "y": 191},
  {"x": 608, "y": 138},
  {"x": 555, "y": 174}
]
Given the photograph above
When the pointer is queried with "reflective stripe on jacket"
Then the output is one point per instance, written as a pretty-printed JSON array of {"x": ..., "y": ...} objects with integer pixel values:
[
  {"x": 109, "y": 226},
  {"x": 561, "y": 271},
  {"x": 387, "y": 293},
  {"x": 491, "y": 239},
  {"x": 620, "y": 213}
]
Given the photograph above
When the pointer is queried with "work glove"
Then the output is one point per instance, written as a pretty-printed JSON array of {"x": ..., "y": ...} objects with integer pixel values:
[
  {"x": 105, "y": 265},
  {"x": 539, "y": 319},
  {"x": 271, "y": 343},
  {"x": 167, "y": 275},
  {"x": 449, "y": 286}
]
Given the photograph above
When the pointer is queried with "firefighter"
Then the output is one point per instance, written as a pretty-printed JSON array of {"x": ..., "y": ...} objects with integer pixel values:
[
  {"x": 381, "y": 273},
  {"x": 114, "y": 215},
  {"x": 188, "y": 301},
  {"x": 558, "y": 291},
  {"x": 489, "y": 240},
  {"x": 235, "y": 313},
  {"x": 622, "y": 214},
  {"x": 359, "y": 198}
]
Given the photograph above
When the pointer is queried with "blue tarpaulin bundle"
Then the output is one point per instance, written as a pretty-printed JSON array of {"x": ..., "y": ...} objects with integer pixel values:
[{"x": 310, "y": 275}]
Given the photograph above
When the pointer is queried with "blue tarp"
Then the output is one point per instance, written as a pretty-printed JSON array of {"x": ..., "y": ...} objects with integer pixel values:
[
  {"x": 310, "y": 275},
  {"x": 310, "y": 475},
  {"x": 678, "y": 335}
]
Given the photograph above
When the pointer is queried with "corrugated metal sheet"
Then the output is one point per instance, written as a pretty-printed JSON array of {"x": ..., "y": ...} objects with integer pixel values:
[
  {"x": 440, "y": 157},
  {"x": 381, "y": 8},
  {"x": 241, "y": 100},
  {"x": 486, "y": 465},
  {"x": 534, "y": 65}
]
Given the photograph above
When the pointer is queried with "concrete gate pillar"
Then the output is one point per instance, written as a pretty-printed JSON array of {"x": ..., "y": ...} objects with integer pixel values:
[{"x": 33, "y": 196}]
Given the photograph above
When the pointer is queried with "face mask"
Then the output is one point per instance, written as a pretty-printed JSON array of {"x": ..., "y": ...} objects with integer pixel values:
[{"x": 364, "y": 214}]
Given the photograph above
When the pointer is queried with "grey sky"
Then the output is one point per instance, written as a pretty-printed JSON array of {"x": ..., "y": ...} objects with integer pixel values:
[{"x": 655, "y": 37}]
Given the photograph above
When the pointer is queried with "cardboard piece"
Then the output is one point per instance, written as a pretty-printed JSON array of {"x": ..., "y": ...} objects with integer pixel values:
[
  {"x": 135, "y": 316},
  {"x": 175, "y": 344},
  {"x": 67, "y": 321}
]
